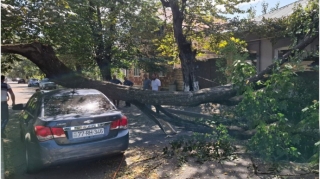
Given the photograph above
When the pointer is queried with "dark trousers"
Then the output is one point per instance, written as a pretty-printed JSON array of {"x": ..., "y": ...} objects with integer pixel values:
[
  {"x": 116, "y": 102},
  {"x": 157, "y": 109},
  {"x": 4, "y": 115},
  {"x": 128, "y": 104}
]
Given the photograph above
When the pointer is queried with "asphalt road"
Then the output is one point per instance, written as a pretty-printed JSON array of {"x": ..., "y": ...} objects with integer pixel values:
[{"x": 22, "y": 92}]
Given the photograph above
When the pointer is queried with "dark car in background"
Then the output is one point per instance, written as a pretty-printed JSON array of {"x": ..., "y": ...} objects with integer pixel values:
[
  {"x": 33, "y": 82},
  {"x": 67, "y": 125},
  {"x": 21, "y": 81},
  {"x": 15, "y": 79}
]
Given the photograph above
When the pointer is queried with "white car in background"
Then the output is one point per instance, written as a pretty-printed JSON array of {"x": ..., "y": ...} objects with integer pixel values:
[
  {"x": 47, "y": 84},
  {"x": 33, "y": 82}
]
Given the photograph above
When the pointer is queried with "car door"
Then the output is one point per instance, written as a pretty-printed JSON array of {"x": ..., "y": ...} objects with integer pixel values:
[{"x": 29, "y": 115}]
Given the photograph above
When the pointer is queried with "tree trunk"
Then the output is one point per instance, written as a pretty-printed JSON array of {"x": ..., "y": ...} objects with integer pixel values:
[
  {"x": 105, "y": 69},
  {"x": 186, "y": 54},
  {"x": 102, "y": 49}
]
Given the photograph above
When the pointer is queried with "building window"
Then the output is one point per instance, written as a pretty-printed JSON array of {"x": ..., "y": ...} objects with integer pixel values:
[
  {"x": 281, "y": 53},
  {"x": 136, "y": 71},
  {"x": 124, "y": 72}
]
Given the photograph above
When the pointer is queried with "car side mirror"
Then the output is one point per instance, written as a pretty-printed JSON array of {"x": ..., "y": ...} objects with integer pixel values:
[{"x": 18, "y": 107}]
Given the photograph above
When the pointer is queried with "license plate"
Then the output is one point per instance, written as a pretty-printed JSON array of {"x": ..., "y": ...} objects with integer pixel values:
[{"x": 88, "y": 133}]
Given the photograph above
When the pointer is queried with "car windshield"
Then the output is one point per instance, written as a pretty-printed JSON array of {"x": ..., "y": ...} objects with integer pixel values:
[{"x": 76, "y": 104}]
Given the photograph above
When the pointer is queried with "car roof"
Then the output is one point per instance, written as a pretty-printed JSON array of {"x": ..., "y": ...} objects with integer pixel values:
[{"x": 70, "y": 91}]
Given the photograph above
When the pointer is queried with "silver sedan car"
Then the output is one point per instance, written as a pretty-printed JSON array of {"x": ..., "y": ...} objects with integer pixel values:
[
  {"x": 47, "y": 84},
  {"x": 33, "y": 82}
]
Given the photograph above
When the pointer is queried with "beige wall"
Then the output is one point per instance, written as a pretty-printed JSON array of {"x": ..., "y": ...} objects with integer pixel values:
[
  {"x": 268, "y": 51},
  {"x": 266, "y": 55}
]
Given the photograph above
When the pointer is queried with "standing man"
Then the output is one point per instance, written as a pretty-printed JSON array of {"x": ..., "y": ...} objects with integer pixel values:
[
  {"x": 5, "y": 88},
  {"x": 127, "y": 83},
  {"x": 146, "y": 85},
  {"x": 115, "y": 81},
  {"x": 155, "y": 86}
]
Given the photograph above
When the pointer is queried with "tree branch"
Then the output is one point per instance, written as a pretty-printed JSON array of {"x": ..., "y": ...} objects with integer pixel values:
[
  {"x": 189, "y": 125},
  {"x": 148, "y": 112}
]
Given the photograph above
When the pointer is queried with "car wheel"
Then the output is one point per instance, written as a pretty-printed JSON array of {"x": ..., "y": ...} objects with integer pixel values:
[
  {"x": 29, "y": 85},
  {"x": 33, "y": 165}
]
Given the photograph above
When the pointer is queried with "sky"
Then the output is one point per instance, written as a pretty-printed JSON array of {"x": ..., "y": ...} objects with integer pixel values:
[{"x": 257, "y": 5}]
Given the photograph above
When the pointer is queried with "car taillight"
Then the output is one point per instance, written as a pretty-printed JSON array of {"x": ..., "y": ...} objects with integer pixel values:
[
  {"x": 120, "y": 123},
  {"x": 58, "y": 132},
  {"x": 45, "y": 133}
]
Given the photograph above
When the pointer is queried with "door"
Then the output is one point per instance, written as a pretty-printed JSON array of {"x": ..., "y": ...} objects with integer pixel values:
[{"x": 29, "y": 115}]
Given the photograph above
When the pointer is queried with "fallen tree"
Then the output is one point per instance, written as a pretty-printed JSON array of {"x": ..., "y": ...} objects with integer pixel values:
[{"x": 44, "y": 57}]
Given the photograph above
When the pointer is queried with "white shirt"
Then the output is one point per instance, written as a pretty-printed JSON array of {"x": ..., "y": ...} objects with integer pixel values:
[
  {"x": 4, "y": 93},
  {"x": 155, "y": 84}
]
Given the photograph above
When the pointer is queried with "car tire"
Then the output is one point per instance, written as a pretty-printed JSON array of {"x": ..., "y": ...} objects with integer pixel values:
[
  {"x": 33, "y": 165},
  {"x": 29, "y": 85}
]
